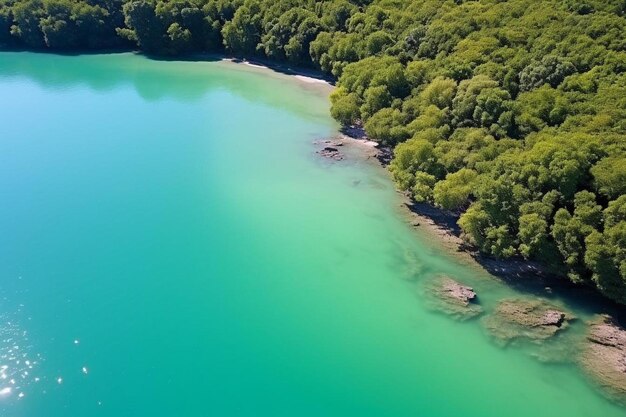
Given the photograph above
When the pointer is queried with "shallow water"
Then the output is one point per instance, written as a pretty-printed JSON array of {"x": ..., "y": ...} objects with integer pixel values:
[{"x": 170, "y": 245}]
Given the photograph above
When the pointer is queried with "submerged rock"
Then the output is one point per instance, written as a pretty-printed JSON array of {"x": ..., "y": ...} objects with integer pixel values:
[
  {"x": 453, "y": 298},
  {"x": 534, "y": 320},
  {"x": 552, "y": 318},
  {"x": 331, "y": 152},
  {"x": 604, "y": 356},
  {"x": 457, "y": 291}
]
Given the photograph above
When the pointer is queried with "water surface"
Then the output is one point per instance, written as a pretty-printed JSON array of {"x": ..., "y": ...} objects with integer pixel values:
[{"x": 170, "y": 245}]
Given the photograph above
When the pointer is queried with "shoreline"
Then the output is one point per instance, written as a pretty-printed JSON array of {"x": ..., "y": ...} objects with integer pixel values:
[
  {"x": 302, "y": 74},
  {"x": 307, "y": 76},
  {"x": 598, "y": 353},
  {"x": 526, "y": 276},
  {"x": 307, "y": 79}
]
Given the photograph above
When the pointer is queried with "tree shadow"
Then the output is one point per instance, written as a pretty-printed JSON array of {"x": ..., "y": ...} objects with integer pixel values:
[{"x": 157, "y": 78}]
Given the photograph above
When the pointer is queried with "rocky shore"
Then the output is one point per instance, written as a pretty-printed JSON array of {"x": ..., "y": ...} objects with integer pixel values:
[
  {"x": 446, "y": 295},
  {"x": 535, "y": 320},
  {"x": 602, "y": 353},
  {"x": 330, "y": 149},
  {"x": 604, "y": 356}
]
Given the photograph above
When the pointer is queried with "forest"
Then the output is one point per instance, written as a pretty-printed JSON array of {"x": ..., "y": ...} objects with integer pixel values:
[{"x": 511, "y": 114}]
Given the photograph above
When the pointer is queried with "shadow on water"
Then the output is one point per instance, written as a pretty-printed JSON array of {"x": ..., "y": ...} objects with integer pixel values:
[{"x": 159, "y": 79}]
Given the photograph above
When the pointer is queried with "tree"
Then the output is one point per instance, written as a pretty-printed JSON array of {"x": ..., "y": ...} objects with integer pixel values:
[
  {"x": 386, "y": 126},
  {"x": 550, "y": 70},
  {"x": 453, "y": 192},
  {"x": 609, "y": 176},
  {"x": 533, "y": 235},
  {"x": 144, "y": 26},
  {"x": 375, "y": 98},
  {"x": 539, "y": 108},
  {"x": 464, "y": 112},
  {"x": 243, "y": 33},
  {"x": 570, "y": 232},
  {"x": 606, "y": 258},
  {"x": 439, "y": 92},
  {"x": 345, "y": 106},
  {"x": 26, "y": 16}
]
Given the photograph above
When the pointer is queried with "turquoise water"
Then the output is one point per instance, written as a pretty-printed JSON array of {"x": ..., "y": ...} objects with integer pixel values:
[{"x": 170, "y": 245}]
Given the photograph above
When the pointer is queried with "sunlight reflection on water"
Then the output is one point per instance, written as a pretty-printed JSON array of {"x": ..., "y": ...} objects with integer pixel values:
[{"x": 18, "y": 361}]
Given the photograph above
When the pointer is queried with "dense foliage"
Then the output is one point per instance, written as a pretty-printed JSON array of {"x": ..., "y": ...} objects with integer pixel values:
[{"x": 511, "y": 113}]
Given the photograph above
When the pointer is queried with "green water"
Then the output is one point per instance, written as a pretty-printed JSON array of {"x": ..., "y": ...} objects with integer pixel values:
[{"x": 168, "y": 227}]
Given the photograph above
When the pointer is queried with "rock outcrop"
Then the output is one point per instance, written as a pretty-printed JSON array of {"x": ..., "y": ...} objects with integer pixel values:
[
  {"x": 330, "y": 149},
  {"x": 604, "y": 356},
  {"x": 331, "y": 152},
  {"x": 534, "y": 320},
  {"x": 456, "y": 291},
  {"x": 453, "y": 298}
]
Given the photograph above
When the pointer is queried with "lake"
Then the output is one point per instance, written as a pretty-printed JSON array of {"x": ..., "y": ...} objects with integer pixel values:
[{"x": 171, "y": 245}]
